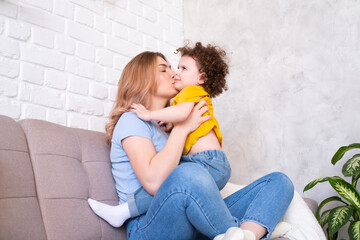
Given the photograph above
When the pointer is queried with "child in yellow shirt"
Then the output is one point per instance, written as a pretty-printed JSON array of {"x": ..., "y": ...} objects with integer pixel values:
[{"x": 201, "y": 75}]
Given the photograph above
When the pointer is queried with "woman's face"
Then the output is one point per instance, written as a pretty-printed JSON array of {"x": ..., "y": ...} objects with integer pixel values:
[
  {"x": 165, "y": 80},
  {"x": 187, "y": 74}
]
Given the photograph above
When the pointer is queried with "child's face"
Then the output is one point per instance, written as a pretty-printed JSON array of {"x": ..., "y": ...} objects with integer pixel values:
[{"x": 187, "y": 74}]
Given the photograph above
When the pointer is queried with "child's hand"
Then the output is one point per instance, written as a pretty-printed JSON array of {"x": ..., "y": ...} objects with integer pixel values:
[
  {"x": 141, "y": 111},
  {"x": 168, "y": 126}
]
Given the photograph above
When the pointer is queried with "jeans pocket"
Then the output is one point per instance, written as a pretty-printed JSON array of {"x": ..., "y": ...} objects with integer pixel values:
[
  {"x": 186, "y": 159},
  {"x": 220, "y": 170}
]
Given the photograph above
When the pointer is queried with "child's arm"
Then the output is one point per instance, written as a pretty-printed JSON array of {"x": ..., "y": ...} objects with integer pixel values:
[{"x": 174, "y": 114}]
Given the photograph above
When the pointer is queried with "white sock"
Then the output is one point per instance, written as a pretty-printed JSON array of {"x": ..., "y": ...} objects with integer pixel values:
[
  {"x": 219, "y": 237},
  {"x": 114, "y": 215},
  {"x": 249, "y": 235},
  {"x": 233, "y": 233}
]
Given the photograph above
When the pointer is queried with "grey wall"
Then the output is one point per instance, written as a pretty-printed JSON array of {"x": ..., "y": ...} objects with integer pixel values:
[{"x": 294, "y": 86}]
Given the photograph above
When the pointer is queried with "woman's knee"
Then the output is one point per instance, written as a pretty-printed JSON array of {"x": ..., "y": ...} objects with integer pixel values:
[
  {"x": 191, "y": 175},
  {"x": 283, "y": 183}
]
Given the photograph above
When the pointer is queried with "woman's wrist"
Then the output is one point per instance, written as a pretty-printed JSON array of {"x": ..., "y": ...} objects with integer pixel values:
[{"x": 182, "y": 129}]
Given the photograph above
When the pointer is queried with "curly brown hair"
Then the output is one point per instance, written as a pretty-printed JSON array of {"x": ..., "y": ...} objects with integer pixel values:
[{"x": 213, "y": 64}]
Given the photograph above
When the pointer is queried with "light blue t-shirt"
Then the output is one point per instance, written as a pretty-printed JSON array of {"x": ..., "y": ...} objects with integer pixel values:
[{"x": 129, "y": 124}]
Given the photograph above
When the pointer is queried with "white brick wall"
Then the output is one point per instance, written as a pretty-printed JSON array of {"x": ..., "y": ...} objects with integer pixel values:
[{"x": 60, "y": 60}]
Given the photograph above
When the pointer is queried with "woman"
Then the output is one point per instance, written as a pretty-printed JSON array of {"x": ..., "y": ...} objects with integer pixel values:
[{"x": 186, "y": 200}]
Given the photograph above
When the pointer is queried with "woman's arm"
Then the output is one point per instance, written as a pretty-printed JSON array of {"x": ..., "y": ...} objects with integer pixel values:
[
  {"x": 174, "y": 114},
  {"x": 152, "y": 168}
]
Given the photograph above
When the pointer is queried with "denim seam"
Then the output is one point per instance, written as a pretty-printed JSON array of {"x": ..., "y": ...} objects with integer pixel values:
[
  {"x": 252, "y": 202},
  {"x": 230, "y": 204},
  {"x": 163, "y": 202},
  {"x": 269, "y": 231}
]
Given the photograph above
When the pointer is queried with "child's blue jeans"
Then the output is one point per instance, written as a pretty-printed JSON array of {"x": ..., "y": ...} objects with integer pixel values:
[
  {"x": 188, "y": 203},
  {"x": 214, "y": 161}
]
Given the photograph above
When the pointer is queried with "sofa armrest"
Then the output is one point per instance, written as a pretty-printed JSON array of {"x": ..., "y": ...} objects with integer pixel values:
[{"x": 312, "y": 204}]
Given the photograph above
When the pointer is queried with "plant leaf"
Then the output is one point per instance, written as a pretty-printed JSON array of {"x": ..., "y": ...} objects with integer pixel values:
[
  {"x": 355, "y": 179},
  {"x": 332, "y": 237},
  {"x": 325, "y": 201},
  {"x": 338, "y": 217},
  {"x": 314, "y": 182},
  {"x": 354, "y": 230},
  {"x": 346, "y": 190},
  {"x": 324, "y": 218},
  {"x": 352, "y": 166},
  {"x": 341, "y": 151}
]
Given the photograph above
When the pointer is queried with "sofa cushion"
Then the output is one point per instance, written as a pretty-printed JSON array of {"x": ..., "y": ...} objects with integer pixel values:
[
  {"x": 20, "y": 216},
  {"x": 70, "y": 165}
]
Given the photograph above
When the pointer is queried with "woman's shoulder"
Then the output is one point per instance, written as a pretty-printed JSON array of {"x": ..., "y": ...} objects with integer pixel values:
[
  {"x": 129, "y": 116},
  {"x": 130, "y": 125},
  {"x": 129, "y": 119}
]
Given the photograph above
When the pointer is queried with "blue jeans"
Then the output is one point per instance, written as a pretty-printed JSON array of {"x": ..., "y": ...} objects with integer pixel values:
[
  {"x": 189, "y": 202},
  {"x": 214, "y": 161}
]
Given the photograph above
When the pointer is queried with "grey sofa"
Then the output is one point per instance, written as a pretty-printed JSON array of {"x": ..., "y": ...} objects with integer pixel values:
[{"x": 47, "y": 173}]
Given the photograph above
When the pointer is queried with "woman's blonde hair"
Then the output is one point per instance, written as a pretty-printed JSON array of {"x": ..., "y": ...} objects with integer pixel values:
[{"x": 136, "y": 84}]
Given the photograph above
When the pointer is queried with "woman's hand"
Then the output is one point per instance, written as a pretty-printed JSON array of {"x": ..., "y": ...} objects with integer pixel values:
[{"x": 195, "y": 118}]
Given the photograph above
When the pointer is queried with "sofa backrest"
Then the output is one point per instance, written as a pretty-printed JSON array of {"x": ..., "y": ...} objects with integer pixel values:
[
  {"x": 20, "y": 216},
  {"x": 68, "y": 166}
]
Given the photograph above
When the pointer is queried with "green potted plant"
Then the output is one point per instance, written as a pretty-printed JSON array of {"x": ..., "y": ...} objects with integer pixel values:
[{"x": 349, "y": 199}]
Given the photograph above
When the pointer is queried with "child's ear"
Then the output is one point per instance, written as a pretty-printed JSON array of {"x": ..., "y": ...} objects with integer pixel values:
[{"x": 202, "y": 78}]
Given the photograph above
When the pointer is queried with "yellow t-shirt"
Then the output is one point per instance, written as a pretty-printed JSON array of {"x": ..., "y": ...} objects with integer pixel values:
[{"x": 195, "y": 94}]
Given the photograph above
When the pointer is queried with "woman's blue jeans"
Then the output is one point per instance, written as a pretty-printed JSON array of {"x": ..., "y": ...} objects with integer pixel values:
[
  {"x": 215, "y": 161},
  {"x": 188, "y": 204}
]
